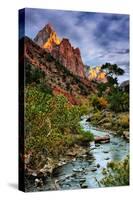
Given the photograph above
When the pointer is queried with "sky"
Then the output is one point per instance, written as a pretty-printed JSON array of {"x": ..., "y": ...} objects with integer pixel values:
[{"x": 101, "y": 37}]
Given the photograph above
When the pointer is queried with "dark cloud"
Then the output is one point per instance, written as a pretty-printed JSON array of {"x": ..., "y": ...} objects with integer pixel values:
[{"x": 101, "y": 37}]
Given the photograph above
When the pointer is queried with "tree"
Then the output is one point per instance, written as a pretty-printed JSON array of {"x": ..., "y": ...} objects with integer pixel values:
[
  {"x": 112, "y": 71},
  {"x": 118, "y": 100}
]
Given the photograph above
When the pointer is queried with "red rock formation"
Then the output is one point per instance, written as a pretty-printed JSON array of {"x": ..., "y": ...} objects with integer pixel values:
[
  {"x": 61, "y": 50},
  {"x": 73, "y": 87},
  {"x": 69, "y": 57}
]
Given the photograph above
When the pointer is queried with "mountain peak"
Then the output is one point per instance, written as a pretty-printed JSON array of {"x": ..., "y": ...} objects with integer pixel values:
[
  {"x": 61, "y": 50},
  {"x": 47, "y": 37},
  {"x": 48, "y": 28}
]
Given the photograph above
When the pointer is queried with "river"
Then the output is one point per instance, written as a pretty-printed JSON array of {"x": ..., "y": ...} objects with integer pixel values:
[{"x": 86, "y": 172}]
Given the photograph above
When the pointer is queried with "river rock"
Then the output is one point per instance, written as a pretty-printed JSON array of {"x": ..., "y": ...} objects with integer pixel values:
[
  {"x": 61, "y": 163},
  {"x": 107, "y": 158},
  {"x": 84, "y": 185},
  {"x": 105, "y": 139},
  {"x": 34, "y": 174},
  {"x": 94, "y": 169},
  {"x": 77, "y": 170},
  {"x": 126, "y": 134},
  {"x": 92, "y": 148},
  {"x": 105, "y": 152},
  {"x": 98, "y": 165},
  {"x": 38, "y": 182},
  {"x": 82, "y": 180},
  {"x": 97, "y": 145}
]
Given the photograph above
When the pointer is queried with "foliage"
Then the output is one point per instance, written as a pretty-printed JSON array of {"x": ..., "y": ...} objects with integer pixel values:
[
  {"x": 124, "y": 121},
  {"x": 49, "y": 57},
  {"x": 112, "y": 72},
  {"x": 119, "y": 101},
  {"x": 51, "y": 123},
  {"x": 101, "y": 88},
  {"x": 33, "y": 74},
  {"x": 99, "y": 102},
  {"x": 112, "y": 69},
  {"x": 86, "y": 135},
  {"x": 102, "y": 102},
  {"x": 117, "y": 173}
]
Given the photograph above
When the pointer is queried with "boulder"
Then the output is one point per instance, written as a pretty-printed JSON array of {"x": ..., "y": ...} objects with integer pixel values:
[{"x": 100, "y": 139}]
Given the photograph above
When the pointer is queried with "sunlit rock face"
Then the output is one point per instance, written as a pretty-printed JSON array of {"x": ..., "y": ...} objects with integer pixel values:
[
  {"x": 62, "y": 50},
  {"x": 97, "y": 74},
  {"x": 47, "y": 38}
]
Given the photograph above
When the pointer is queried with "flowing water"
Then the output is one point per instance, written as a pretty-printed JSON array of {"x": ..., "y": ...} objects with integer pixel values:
[{"x": 86, "y": 172}]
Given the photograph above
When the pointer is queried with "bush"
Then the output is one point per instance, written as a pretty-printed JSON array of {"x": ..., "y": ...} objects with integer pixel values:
[
  {"x": 117, "y": 173},
  {"x": 124, "y": 121},
  {"x": 102, "y": 102},
  {"x": 99, "y": 102},
  {"x": 33, "y": 74},
  {"x": 85, "y": 135},
  {"x": 119, "y": 101},
  {"x": 49, "y": 57}
]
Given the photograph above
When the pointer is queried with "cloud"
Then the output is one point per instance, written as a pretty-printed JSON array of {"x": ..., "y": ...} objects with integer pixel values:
[{"x": 101, "y": 37}]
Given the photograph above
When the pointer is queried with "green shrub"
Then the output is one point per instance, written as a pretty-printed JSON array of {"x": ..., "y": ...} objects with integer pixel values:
[
  {"x": 49, "y": 57},
  {"x": 33, "y": 74},
  {"x": 119, "y": 101},
  {"x": 85, "y": 135},
  {"x": 117, "y": 173}
]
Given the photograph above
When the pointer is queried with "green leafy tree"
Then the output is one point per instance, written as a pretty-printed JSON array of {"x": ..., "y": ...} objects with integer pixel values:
[{"x": 112, "y": 71}]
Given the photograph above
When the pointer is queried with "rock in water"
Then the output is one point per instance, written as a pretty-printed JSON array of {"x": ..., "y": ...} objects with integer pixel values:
[
  {"x": 105, "y": 152},
  {"x": 84, "y": 185},
  {"x": 107, "y": 158},
  {"x": 82, "y": 180},
  {"x": 94, "y": 169},
  {"x": 98, "y": 165},
  {"x": 38, "y": 182},
  {"x": 77, "y": 170},
  {"x": 102, "y": 139}
]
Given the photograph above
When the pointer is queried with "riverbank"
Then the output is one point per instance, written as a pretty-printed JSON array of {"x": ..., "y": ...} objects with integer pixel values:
[
  {"x": 82, "y": 167},
  {"x": 111, "y": 122}
]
